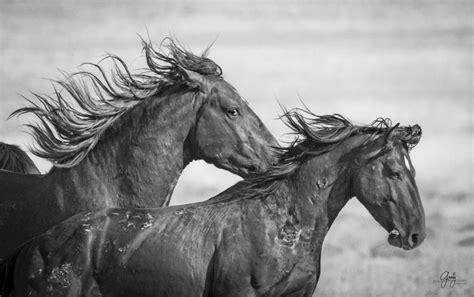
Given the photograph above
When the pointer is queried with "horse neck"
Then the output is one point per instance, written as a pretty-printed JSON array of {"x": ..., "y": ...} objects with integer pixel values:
[
  {"x": 321, "y": 187},
  {"x": 139, "y": 159}
]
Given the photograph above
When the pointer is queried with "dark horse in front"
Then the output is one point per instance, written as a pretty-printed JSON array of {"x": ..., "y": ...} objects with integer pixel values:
[
  {"x": 261, "y": 237},
  {"x": 122, "y": 140}
]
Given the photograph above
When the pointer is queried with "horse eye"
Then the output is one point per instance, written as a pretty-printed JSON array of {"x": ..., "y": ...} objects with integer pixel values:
[
  {"x": 233, "y": 112},
  {"x": 396, "y": 175}
]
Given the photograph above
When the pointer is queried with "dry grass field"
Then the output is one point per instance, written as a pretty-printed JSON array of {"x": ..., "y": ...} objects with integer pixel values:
[{"x": 408, "y": 60}]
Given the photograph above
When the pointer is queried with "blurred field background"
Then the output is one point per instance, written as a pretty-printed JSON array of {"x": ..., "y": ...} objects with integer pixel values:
[{"x": 411, "y": 61}]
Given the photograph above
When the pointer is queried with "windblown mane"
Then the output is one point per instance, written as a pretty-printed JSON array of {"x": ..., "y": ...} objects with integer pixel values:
[
  {"x": 14, "y": 159},
  {"x": 317, "y": 135},
  {"x": 68, "y": 129}
]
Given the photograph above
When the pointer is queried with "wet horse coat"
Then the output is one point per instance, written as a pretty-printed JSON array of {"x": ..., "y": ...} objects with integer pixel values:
[
  {"x": 124, "y": 141},
  {"x": 261, "y": 237}
]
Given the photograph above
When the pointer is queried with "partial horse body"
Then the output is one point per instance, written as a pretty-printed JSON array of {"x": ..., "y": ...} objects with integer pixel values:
[
  {"x": 261, "y": 237},
  {"x": 14, "y": 159},
  {"x": 123, "y": 141}
]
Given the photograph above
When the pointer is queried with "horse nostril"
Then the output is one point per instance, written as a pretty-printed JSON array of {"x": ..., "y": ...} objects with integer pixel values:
[{"x": 413, "y": 240}]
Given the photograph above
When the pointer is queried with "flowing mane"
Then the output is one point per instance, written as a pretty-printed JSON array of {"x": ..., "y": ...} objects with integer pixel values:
[
  {"x": 68, "y": 130},
  {"x": 317, "y": 135}
]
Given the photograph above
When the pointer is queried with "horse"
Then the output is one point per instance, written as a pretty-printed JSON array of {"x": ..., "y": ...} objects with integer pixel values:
[
  {"x": 261, "y": 237},
  {"x": 123, "y": 141},
  {"x": 14, "y": 159}
]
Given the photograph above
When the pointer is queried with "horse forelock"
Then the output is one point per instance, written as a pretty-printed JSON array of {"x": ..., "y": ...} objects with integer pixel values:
[
  {"x": 410, "y": 135},
  {"x": 85, "y": 104}
]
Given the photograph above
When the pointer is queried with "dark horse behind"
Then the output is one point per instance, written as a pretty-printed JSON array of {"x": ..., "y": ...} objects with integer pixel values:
[
  {"x": 122, "y": 140},
  {"x": 14, "y": 159},
  {"x": 261, "y": 237}
]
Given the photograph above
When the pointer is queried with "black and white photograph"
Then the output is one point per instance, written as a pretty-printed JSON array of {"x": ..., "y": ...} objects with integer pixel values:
[{"x": 237, "y": 148}]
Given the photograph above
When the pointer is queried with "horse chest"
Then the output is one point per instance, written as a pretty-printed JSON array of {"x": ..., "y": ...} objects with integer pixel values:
[
  {"x": 293, "y": 274},
  {"x": 273, "y": 269}
]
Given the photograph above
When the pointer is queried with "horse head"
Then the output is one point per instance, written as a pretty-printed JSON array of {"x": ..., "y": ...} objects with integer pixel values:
[
  {"x": 385, "y": 185},
  {"x": 227, "y": 132}
]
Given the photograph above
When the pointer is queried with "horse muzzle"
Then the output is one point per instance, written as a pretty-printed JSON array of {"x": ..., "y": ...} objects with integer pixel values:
[{"x": 407, "y": 242}]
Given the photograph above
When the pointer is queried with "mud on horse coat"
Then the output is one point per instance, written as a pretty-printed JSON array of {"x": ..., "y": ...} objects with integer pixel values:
[
  {"x": 261, "y": 237},
  {"x": 123, "y": 140}
]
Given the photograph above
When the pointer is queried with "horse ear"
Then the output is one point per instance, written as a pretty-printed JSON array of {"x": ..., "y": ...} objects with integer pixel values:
[
  {"x": 391, "y": 134},
  {"x": 195, "y": 79}
]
